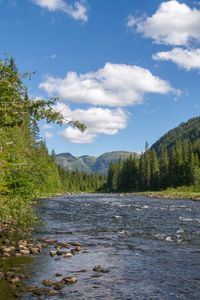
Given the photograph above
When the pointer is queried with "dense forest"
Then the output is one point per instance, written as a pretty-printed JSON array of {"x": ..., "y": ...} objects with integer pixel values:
[
  {"x": 27, "y": 170},
  {"x": 189, "y": 130},
  {"x": 173, "y": 166}
]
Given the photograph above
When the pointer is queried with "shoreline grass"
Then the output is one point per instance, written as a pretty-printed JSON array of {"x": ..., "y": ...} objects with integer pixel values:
[{"x": 191, "y": 193}]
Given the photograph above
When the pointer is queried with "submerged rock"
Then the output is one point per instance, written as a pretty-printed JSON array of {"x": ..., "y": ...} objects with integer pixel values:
[
  {"x": 52, "y": 293},
  {"x": 68, "y": 254},
  {"x": 101, "y": 269},
  {"x": 58, "y": 285},
  {"x": 75, "y": 244},
  {"x": 53, "y": 253},
  {"x": 41, "y": 291},
  {"x": 70, "y": 279},
  {"x": 48, "y": 282}
]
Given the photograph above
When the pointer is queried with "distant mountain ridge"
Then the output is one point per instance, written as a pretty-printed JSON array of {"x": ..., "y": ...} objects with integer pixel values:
[{"x": 90, "y": 164}]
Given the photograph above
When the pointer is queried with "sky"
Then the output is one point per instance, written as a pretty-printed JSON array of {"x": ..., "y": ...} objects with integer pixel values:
[{"x": 129, "y": 70}]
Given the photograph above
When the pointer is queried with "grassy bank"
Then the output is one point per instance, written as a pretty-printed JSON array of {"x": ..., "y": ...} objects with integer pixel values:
[{"x": 192, "y": 193}]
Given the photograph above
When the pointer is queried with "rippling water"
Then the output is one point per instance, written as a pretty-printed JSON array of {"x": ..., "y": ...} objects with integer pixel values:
[{"x": 151, "y": 247}]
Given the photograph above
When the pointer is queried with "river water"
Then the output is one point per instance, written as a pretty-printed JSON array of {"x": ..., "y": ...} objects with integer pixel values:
[{"x": 150, "y": 246}]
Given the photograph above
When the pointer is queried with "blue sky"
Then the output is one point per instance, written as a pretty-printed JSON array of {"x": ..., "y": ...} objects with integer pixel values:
[{"x": 127, "y": 69}]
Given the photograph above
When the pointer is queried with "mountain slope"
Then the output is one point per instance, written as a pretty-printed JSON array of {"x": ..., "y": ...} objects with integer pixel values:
[
  {"x": 189, "y": 130},
  {"x": 72, "y": 163},
  {"x": 90, "y": 164},
  {"x": 102, "y": 162}
]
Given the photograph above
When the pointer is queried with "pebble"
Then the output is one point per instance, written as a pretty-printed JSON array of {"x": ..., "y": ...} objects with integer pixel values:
[
  {"x": 34, "y": 250},
  {"x": 58, "y": 285},
  {"x": 169, "y": 239},
  {"x": 14, "y": 279},
  {"x": 75, "y": 244},
  {"x": 77, "y": 248},
  {"x": 100, "y": 269},
  {"x": 53, "y": 253},
  {"x": 69, "y": 254},
  {"x": 24, "y": 252},
  {"x": 70, "y": 279},
  {"x": 47, "y": 282}
]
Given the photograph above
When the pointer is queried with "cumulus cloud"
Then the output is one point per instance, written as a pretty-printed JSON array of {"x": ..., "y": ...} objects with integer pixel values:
[
  {"x": 113, "y": 85},
  {"x": 78, "y": 11},
  {"x": 131, "y": 21},
  {"x": 98, "y": 121},
  {"x": 187, "y": 59},
  {"x": 174, "y": 23}
]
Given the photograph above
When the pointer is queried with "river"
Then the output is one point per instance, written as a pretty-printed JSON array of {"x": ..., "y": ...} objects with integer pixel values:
[{"x": 150, "y": 247}]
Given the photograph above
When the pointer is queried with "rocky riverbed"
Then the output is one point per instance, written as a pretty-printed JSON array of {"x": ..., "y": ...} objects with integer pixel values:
[
  {"x": 42, "y": 246},
  {"x": 105, "y": 247}
]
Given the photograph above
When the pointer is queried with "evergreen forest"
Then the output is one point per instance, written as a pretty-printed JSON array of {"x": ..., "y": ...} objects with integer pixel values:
[{"x": 168, "y": 165}]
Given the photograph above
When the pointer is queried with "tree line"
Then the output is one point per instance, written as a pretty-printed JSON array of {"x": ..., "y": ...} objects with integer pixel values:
[
  {"x": 27, "y": 170},
  {"x": 174, "y": 167}
]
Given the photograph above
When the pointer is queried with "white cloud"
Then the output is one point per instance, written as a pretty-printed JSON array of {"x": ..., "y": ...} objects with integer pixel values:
[
  {"x": 48, "y": 135},
  {"x": 98, "y": 121},
  {"x": 187, "y": 59},
  {"x": 113, "y": 85},
  {"x": 78, "y": 11},
  {"x": 131, "y": 21},
  {"x": 173, "y": 23}
]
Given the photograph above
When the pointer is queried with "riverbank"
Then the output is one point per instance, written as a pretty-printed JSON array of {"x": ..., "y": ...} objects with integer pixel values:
[{"x": 175, "y": 193}]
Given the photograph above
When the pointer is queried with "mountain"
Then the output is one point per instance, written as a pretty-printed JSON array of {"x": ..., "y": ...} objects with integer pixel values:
[
  {"x": 189, "y": 130},
  {"x": 102, "y": 162},
  {"x": 90, "y": 164},
  {"x": 72, "y": 163}
]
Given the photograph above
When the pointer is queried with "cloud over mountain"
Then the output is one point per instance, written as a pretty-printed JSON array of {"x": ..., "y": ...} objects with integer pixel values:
[{"x": 98, "y": 121}]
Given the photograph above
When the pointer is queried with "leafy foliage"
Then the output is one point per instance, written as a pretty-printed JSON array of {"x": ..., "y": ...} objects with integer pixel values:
[{"x": 26, "y": 168}]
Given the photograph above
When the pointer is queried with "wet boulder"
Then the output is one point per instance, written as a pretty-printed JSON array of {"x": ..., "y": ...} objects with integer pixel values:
[
  {"x": 101, "y": 269},
  {"x": 70, "y": 279}
]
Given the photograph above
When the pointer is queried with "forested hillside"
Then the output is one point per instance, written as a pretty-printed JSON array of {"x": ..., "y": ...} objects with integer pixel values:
[
  {"x": 27, "y": 170},
  {"x": 173, "y": 161},
  {"x": 189, "y": 130}
]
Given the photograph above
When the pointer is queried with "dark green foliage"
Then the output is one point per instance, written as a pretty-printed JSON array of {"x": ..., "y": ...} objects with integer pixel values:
[
  {"x": 80, "y": 182},
  {"x": 175, "y": 166},
  {"x": 189, "y": 130}
]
